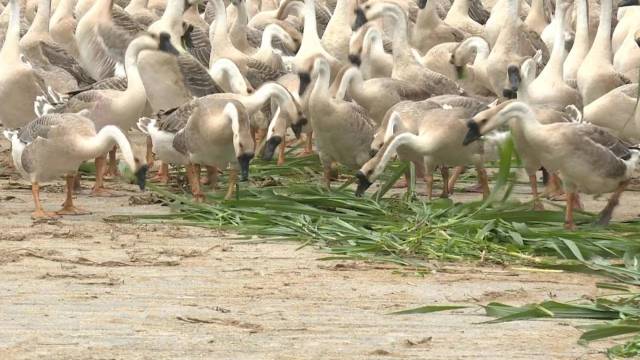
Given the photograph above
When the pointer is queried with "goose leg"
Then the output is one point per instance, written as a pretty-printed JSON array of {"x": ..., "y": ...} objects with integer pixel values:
[
  {"x": 76, "y": 183},
  {"x": 98, "y": 187},
  {"x": 457, "y": 171},
  {"x": 326, "y": 171},
  {"x": 569, "y": 224},
  {"x": 67, "y": 207},
  {"x": 39, "y": 212},
  {"x": 553, "y": 189},
  {"x": 113, "y": 166},
  {"x": 537, "y": 204},
  {"x": 212, "y": 177},
  {"x": 233, "y": 180},
  {"x": 483, "y": 180},
  {"x": 150, "y": 157},
  {"x": 444, "y": 171},
  {"x": 308, "y": 148},
  {"x": 607, "y": 212},
  {"x": 162, "y": 176},
  {"x": 193, "y": 173}
]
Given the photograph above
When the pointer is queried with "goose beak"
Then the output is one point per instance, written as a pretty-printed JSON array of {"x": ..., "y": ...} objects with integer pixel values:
[
  {"x": 473, "y": 133},
  {"x": 165, "y": 44},
  {"x": 363, "y": 183},
  {"x": 244, "y": 160},
  {"x": 355, "y": 59},
  {"x": 373, "y": 152},
  {"x": 623, "y": 3},
  {"x": 514, "y": 83},
  {"x": 141, "y": 176},
  {"x": 361, "y": 19},
  {"x": 422, "y": 4},
  {"x": 305, "y": 80},
  {"x": 270, "y": 147},
  {"x": 638, "y": 41},
  {"x": 297, "y": 129}
]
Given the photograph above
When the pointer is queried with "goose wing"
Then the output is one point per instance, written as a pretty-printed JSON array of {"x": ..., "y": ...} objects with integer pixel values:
[
  {"x": 59, "y": 57},
  {"x": 174, "y": 120},
  {"x": 197, "y": 43},
  {"x": 259, "y": 72},
  {"x": 112, "y": 83},
  {"x": 196, "y": 77},
  {"x": 117, "y": 35}
]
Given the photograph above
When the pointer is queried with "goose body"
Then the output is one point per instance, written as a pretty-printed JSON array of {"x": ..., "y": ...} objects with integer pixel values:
[{"x": 588, "y": 158}]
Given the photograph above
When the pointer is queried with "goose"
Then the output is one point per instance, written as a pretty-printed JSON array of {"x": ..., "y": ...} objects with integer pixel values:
[
  {"x": 501, "y": 13},
  {"x": 62, "y": 27},
  {"x": 167, "y": 123},
  {"x": 311, "y": 45},
  {"x": 469, "y": 59},
  {"x": 514, "y": 43},
  {"x": 102, "y": 38},
  {"x": 626, "y": 60},
  {"x": 255, "y": 70},
  {"x": 112, "y": 107},
  {"x": 19, "y": 82},
  {"x": 57, "y": 67},
  {"x": 240, "y": 32},
  {"x": 439, "y": 140},
  {"x": 588, "y": 158},
  {"x": 596, "y": 75},
  {"x": 366, "y": 50},
  {"x": 548, "y": 88},
  {"x": 405, "y": 65},
  {"x": 536, "y": 18},
  {"x": 216, "y": 134},
  {"x": 337, "y": 34},
  {"x": 343, "y": 131},
  {"x": 430, "y": 30},
  {"x": 377, "y": 95},
  {"x": 55, "y": 145},
  {"x": 458, "y": 17},
  {"x": 581, "y": 43}
]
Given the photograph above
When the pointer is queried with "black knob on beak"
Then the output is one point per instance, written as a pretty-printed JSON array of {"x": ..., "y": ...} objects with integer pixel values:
[
  {"x": 361, "y": 19},
  {"x": 473, "y": 133},
  {"x": 355, "y": 59},
  {"x": 141, "y": 176},
  {"x": 270, "y": 147},
  {"x": 363, "y": 183},
  {"x": 244, "y": 160}
]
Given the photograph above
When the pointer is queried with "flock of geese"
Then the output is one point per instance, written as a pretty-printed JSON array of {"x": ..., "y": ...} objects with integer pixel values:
[{"x": 433, "y": 82}]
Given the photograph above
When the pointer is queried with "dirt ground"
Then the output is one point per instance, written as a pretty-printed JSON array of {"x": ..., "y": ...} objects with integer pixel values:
[{"x": 83, "y": 288}]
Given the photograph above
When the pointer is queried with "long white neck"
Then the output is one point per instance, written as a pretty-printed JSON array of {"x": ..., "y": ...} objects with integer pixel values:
[
  {"x": 10, "y": 48},
  {"x": 428, "y": 15},
  {"x": 173, "y": 11},
  {"x": 310, "y": 36},
  {"x": 372, "y": 42},
  {"x": 415, "y": 142},
  {"x": 227, "y": 75},
  {"x": 320, "y": 90},
  {"x": 352, "y": 81},
  {"x": 580, "y": 46},
  {"x": 134, "y": 81},
  {"x": 41, "y": 21},
  {"x": 270, "y": 32},
  {"x": 537, "y": 9},
  {"x": 554, "y": 66},
  {"x": 521, "y": 113},
  {"x": 104, "y": 140},
  {"x": 219, "y": 26},
  {"x": 255, "y": 101},
  {"x": 481, "y": 47},
  {"x": 63, "y": 10},
  {"x": 602, "y": 42},
  {"x": 514, "y": 11},
  {"x": 242, "y": 18},
  {"x": 460, "y": 7}
]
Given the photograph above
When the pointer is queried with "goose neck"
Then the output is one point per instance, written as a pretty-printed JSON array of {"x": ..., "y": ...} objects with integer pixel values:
[
  {"x": 174, "y": 10},
  {"x": 11, "y": 47},
  {"x": 602, "y": 41},
  {"x": 255, "y": 101},
  {"x": 104, "y": 140},
  {"x": 460, "y": 7},
  {"x": 310, "y": 34},
  {"x": 415, "y": 142},
  {"x": 521, "y": 115},
  {"x": 582, "y": 23},
  {"x": 41, "y": 21},
  {"x": 320, "y": 90},
  {"x": 352, "y": 82},
  {"x": 64, "y": 9},
  {"x": 227, "y": 75},
  {"x": 558, "y": 51}
]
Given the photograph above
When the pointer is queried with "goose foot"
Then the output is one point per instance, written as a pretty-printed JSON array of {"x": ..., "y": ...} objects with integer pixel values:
[
  {"x": 400, "y": 184},
  {"x": 305, "y": 153},
  {"x": 477, "y": 188},
  {"x": 101, "y": 192},
  {"x": 199, "y": 197},
  {"x": 557, "y": 196},
  {"x": 72, "y": 210},
  {"x": 570, "y": 226},
  {"x": 41, "y": 214}
]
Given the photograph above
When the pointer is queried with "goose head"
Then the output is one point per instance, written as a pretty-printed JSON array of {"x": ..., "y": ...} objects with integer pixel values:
[
  {"x": 165, "y": 44},
  {"x": 304, "y": 74},
  {"x": 488, "y": 120},
  {"x": 368, "y": 12},
  {"x": 242, "y": 140},
  {"x": 144, "y": 41},
  {"x": 361, "y": 41},
  {"x": 422, "y": 4},
  {"x": 519, "y": 77}
]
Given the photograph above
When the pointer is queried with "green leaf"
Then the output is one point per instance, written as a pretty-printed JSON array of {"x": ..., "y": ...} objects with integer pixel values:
[{"x": 429, "y": 309}]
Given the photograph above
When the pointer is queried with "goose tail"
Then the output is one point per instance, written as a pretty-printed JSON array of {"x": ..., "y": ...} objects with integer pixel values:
[
  {"x": 144, "y": 123},
  {"x": 633, "y": 163}
]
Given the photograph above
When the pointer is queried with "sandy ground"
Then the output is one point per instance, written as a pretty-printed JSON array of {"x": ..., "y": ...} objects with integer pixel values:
[{"x": 83, "y": 288}]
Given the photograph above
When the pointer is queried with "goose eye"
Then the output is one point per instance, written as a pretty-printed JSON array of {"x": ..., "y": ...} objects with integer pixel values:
[
  {"x": 483, "y": 121},
  {"x": 369, "y": 172},
  {"x": 367, "y": 7}
]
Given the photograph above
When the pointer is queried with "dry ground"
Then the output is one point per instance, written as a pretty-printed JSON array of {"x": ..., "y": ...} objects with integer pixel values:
[{"x": 82, "y": 288}]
